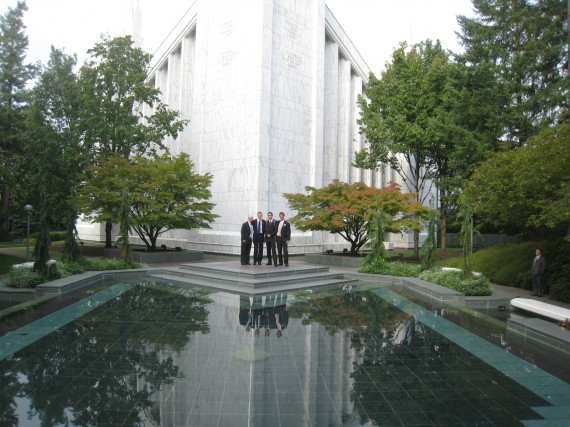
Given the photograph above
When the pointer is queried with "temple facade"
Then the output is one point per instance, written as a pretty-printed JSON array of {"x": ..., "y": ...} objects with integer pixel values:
[{"x": 270, "y": 91}]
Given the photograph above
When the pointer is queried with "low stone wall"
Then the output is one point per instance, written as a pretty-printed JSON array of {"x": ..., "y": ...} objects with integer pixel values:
[
  {"x": 157, "y": 256},
  {"x": 334, "y": 260}
]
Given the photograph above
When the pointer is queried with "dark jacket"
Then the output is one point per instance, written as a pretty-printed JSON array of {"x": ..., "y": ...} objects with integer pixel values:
[
  {"x": 245, "y": 231},
  {"x": 285, "y": 230}
]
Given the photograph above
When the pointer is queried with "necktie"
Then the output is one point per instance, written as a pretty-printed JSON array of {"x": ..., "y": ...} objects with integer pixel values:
[
  {"x": 279, "y": 229},
  {"x": 259, "y": 226}
]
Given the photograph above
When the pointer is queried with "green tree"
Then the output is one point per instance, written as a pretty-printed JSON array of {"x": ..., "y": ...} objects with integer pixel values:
[
  {"x": 53, "y": 133},
  {"x": 376, "y": 235},
  {"x": 466, "y": 234},
  {"x": 165, "y": 194},
  {"x": 14, "y": 76},
  {"x": 121, "y": 112},
  {"x": 428, "y": 252},
  {"x": 526, "y": 189},
  {"x": 411, "y": 122},
  {"x": 125, "y": 227},
  {"x": 523, "y": 44},
  {"x": 348, "y": 210}
]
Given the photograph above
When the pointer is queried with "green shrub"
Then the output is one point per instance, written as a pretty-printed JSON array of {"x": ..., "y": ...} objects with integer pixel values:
[
  {"x": 24, "y": 278},
  {"x": 502, "y": 264},
  {"x": 27, "y": 278},
  {"x": 57, "y": 236},
  {"x": 557, "y": 275},
  {"x": 476, "y": 286},
  {"x": 402, "y": 269},
  {"x": 100, "y": 264},
  {"x": 560, "y": 290}
]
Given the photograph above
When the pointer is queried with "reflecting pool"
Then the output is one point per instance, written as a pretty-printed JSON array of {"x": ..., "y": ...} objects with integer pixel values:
[{"x": 158, "y": 354}]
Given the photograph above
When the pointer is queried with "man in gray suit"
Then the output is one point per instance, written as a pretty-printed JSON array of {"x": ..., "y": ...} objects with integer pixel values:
[{"x": 537, "y": 271}]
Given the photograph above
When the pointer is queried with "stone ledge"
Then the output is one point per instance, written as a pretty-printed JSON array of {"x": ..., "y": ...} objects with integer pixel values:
[
  {"x": 335, "y": 260},
  {"x": 90, "y": 278},
  {"x": 157, "y": 256},
  {"x": 539, "y": 331}
]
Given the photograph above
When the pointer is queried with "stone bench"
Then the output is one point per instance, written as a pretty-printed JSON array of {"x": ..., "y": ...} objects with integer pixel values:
[{"x": 541, "y": 308}]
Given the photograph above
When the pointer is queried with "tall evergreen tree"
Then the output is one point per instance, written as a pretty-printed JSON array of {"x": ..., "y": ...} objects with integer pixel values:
[
  {"x": 524, "y": 45},
  {"x": 14, "y": 75},
  {"x": 55, "y": 154}
]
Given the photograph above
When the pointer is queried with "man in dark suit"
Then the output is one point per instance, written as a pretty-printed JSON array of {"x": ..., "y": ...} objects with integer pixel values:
[
  {"x": 258, "y": 238},
  {"x": 246, "y": 238},
  {"x": 537, "y": 270},
  {"x": 270, "y": 233},
  {"x": 283, "y": 237}
]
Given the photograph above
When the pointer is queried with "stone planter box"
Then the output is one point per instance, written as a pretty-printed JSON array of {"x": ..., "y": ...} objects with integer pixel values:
[
  {"x": 158, "y": 256},
  {"x": 335, "y": 260}
]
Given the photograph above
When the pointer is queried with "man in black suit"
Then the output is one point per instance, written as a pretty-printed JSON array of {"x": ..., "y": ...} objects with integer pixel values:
[
  {"x": 538, "y": 266},
  {"x": 283, "y": 238},
  {"x": 246, "y": 237},
  {"x": 258, "y": 238},
  {"x": 270, "y": 233}
]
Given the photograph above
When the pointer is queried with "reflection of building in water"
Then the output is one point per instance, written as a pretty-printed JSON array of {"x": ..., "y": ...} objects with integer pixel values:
[
  {"x": 270, "y": 90},
  {"x": 229, "y": 372}
]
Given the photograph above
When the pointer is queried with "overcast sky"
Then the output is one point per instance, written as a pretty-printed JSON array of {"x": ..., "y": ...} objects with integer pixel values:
[{"x": 375, "y": 27}]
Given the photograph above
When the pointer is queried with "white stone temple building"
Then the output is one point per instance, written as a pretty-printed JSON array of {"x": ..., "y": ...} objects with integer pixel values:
[{"x": 270, "y": 90}]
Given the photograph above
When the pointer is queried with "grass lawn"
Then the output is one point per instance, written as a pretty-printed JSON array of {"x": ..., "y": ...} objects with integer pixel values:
[{"x": 7, "y": 261}]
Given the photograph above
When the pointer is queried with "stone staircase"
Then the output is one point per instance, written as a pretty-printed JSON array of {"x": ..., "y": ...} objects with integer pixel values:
[{"x": 251, "y": 278}]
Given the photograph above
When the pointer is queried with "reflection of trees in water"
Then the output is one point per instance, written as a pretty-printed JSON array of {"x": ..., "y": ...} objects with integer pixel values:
[
  {"x": 104, "y": 367},
  {"x": 336, "y": 312},
  {"x": 8, "y": 391}
]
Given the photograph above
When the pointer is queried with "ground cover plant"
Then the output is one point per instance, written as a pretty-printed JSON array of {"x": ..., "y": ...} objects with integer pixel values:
[
  {"x": 503, "y": 264},
  {"x": 27, "y": 278},
  {"x": 475, "y": 286}
]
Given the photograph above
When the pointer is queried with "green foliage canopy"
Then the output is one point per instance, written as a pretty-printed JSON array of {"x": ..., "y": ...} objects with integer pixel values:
[
  {"x": 121, "y": 112},
  {"x": 526, "y": 188},
  {"x": 523, "y": 44},
  {"x": 164, "y": 194},
  {"x": 413, "y": 119},
  {"x": 349, "y": 209},
  {"x": 53, "y": 133},
  {"x": 14, "y": 77}
]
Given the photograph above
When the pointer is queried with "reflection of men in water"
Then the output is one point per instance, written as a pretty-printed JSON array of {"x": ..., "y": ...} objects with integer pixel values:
[
  {"x": 245, "y": 313},
  {"x": 264, "y": 312},
  {"x": 257, "y": 312},
  {"x": 279, "y": 314},
  {"x": 245, "y": 318}
]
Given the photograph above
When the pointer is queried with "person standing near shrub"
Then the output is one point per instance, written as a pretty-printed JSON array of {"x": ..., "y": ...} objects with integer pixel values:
[{"x": 537, "y": 272}]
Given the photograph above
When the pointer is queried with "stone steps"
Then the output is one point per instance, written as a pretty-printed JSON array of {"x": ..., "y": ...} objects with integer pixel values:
[{"x": 230, "y": 277}]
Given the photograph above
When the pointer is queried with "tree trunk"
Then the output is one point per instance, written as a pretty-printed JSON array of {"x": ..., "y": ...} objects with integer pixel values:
[
  {"x": 416, "y": 243},
  {"x": 153, "y": 243},
  {"x": 4, "y": 213},
  {"x": 353, "y": 250},
  {"x": 108, "y": 236},
  {"x": 443, "y": 226}
]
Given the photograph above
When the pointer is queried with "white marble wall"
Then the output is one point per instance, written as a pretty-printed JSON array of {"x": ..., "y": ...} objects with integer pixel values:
[{"x": 270, "y": 89}]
